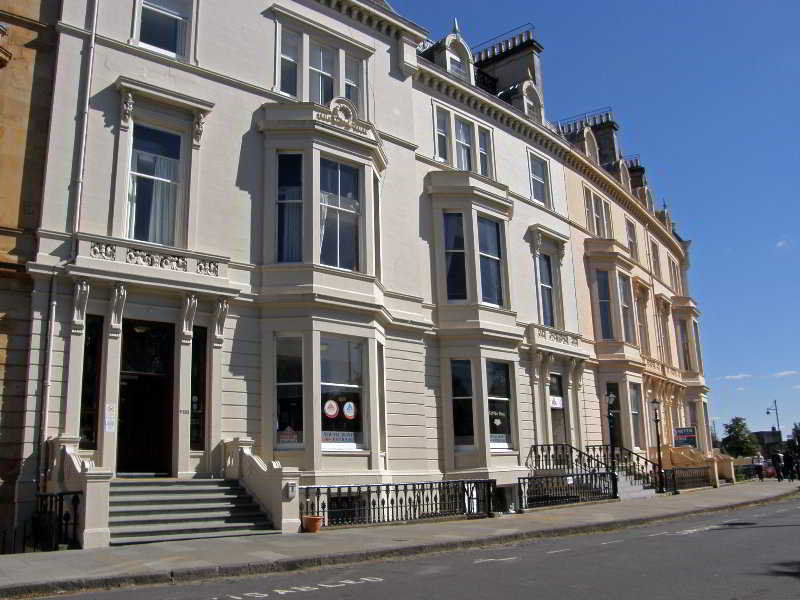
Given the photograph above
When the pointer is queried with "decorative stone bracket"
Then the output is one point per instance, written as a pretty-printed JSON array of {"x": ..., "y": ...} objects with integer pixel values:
[
  {"x": 220, "y": 314},
  {"x": 117, "y": 308},
  {"x": 187, "y": 317},
  {"x": 80, "y": 300}
]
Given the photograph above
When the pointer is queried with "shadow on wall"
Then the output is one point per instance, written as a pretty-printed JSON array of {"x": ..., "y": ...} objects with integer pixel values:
[
  {"x": 242, "y": 365},
  {"x": 249, "y": 176}
]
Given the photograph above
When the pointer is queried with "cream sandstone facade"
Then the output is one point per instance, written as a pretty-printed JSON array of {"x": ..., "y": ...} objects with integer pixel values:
[{"x": 338, "y": 359}]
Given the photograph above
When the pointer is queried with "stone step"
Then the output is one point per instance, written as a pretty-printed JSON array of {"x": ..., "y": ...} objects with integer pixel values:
[
  {"x": 138, "y": 518},
  {"x": 167, "y": 499},
  {"x": 184, "y": 507},
  {"x": 148, "y": 539},
  {"x": 175, "y": 489},
  {"x": 187, "y": 528}
]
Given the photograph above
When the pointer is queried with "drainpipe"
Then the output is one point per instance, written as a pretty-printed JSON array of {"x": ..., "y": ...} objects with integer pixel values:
[{"x": 45, "y": 380}]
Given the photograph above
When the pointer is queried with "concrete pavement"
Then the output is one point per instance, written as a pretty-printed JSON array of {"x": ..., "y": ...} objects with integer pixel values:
[{"x": 170, "y": 562}]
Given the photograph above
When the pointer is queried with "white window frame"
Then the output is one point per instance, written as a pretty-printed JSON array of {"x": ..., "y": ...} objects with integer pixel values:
[
  {"x": 185, "y": 29},
  {"x": 633, "y": 243},
  {"x": 609, "y": 302},
  {"x": 501, "y": 261},
  {"x": 442, "y": 140},
  {"x": 641, "y": 317},
  {"x": 468, "y": 144},
  {"x": 350, "y": 82},
  {"x": 626, "y": 308},
  {"x": 598, "y": 214},
  {"x": 637, "y": 420},
  {"x": 359, "y": 267},
  {"x": 463, "y": 252},
  {"x": 364, "y": 387},
  {"x": 284, "y": 336},
  {"x": 485, "y": 152},
  {"x": 296, "y": 61},
  {"x": 547, "y": 200},
  {"x": 183, "y": 170},
  {"x": 511, "y": 409},
  {"x": 450, "y": 134},
  {"x": 655, "y": 257},
  {"x": 278, "y": 202},
  {"x": 471, "y": 398},
  {"x": 312, "y": 70}
]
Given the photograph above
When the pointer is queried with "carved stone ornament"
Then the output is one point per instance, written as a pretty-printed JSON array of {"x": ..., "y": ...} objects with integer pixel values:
[
  {"x": 118, "y": 297},
  {"x": 199, "y": 125},
  {"x": 103, "y": 251},
  {"x": 220, "y": 314},
  {"x": 187, "y": 317},
  {"x": 126, "y": 110},
  {"x": 208, "y": 267},
  {"x": 79, "y": 301},
  {"x": 149, "y": 259},
  {"x": 577, "y": 372},
  {"x": 343, "y": 114}
]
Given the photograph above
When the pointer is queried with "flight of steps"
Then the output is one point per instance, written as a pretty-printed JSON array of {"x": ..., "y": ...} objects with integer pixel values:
[
  {"x": 629, "y": 488},
  {"x": 158, "y": 510}
]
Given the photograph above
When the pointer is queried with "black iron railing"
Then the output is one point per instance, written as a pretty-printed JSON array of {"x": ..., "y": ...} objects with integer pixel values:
[
  {"x": 53, "y": 526},
  {"x": 397, "y": 502},
  {"x": 686, "y": 478},
  {"x": 564, "y": 457},
  {"x": 555, "y": 490},
  {"x": 635, "y": 467},
  {"x": 745, "y": 472}
]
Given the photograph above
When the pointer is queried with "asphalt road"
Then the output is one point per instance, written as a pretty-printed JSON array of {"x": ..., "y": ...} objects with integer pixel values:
[{"x": 742, "y": 554}]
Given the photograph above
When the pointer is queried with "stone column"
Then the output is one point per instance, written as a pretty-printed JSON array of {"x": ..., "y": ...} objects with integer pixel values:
[
  {"x": 182, "y": 392},
  {"x": 546, "y": 436},
  {"x": 215, "y": 452},
  {"x": 72, "y": 416},
  {"x": 112, "y": 355},
  {"x": 576, "y": 379},
  {"x": 372, "y": 422}
]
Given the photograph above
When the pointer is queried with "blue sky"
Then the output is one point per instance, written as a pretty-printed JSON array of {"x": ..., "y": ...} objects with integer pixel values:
[{"x": 708, "y": 93}]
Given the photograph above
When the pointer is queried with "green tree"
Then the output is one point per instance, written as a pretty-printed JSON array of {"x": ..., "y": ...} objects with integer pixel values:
[{"x": 738, "y": 440}]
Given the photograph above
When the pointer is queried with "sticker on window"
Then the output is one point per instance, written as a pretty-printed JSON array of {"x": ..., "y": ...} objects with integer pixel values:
[
  {"x": 349, "y": 410},
  {"x": 331, "y": 409}
]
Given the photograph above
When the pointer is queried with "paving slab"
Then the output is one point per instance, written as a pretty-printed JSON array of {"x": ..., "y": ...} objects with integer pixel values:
[{"x": 165, "y": 562}]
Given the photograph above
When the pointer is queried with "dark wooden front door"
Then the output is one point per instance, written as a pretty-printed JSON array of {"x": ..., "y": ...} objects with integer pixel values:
[{"x": 144, "y": 438}]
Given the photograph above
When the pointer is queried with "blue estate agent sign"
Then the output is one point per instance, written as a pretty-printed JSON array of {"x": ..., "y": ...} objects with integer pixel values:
[{"x": 686, "y": 436}]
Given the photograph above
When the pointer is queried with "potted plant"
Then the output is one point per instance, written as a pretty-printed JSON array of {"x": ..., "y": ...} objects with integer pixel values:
[{"x": 311, "y": 523}]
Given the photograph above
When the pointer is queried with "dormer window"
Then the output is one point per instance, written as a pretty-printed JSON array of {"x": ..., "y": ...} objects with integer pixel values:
[{"x": 456, "y": 67}]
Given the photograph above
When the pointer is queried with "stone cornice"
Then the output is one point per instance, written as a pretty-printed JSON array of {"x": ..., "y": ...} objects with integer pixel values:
[
  {"x": 368, "y": 13},
  {"x": 509, "y": 117}
]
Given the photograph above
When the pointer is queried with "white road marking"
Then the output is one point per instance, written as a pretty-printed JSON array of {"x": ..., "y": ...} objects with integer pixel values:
[
  {"x": 612, "y": 542},
  {"x": 485, "y": 560},
  {"x": 557, "y": 551},
  {"x": 308, "y": 588},
  {"x": 759, "y": 514},
  {"x": 782, "y": 510},
  {"x": 655, "y": 534}
]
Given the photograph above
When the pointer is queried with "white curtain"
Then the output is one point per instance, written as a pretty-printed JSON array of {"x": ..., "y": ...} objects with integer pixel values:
[
  {"x": 290, "y": 232},
  {"x": 162, "y": 204}
]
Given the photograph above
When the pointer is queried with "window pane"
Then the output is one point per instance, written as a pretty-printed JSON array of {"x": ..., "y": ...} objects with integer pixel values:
[
  {"x": 545, "y": 271},
  {"x": 329, "y": 232},
  {"x": 548, "y": 316},
  {"x": 197, "y": 418},
  {"x": 556, "y": 385},
  {"x": 604, "y": 297},
  {"x": 349, "y": 188},
  {"x": 289, "y": 360},
  {"x": 290, "y": 44},
  {"x": 603, "y": 290},
  {"x": 348, "y": 241},
  {"x": 453, "y": 231},
  {"x": 90, "y": 386},
  {"x": 160, "y": 30},
  {"x": 155, "y": 141},
  {"x": 462, "y": 378},
  {"x": 327, "y": 89},
  {"x": 538, "y": 168},
  {"x": 497, "y": 379},
  {"x": 489, "y": 236},
  {"x": 636, "y": 414},
  {"x": 352, "y": 70},
  {"x": 456, "y": 276},
  {"x": 290, "y": 414},
  {"x": 290, "y": 177},
  {"x": 152, "y": 210},
  {"x": 342, "y": 415},
  {"x": 500, "y": 422},
  {"x": 329, "y": 182},
  {"x": 464, "y": 157},
  {"x": 491, "y": 281},
  {"x": 538, "y": 190},
  {"x": 341, "y": 360},
  {"x": 288, "y": 77}
]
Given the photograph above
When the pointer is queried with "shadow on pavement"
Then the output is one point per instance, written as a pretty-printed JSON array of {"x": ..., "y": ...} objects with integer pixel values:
[{"x": 786, "y": 569}]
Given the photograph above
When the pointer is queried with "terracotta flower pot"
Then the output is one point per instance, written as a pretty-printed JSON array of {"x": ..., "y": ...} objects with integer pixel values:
[{"x": 312, "y": 523}]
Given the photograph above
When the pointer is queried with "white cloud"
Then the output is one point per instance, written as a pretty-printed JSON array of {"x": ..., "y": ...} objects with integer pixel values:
[
  {"x": 785, "y": 373},
  {"x": 796, "y": 387},
  {"x": 740, "y": 389},
  {"x": 782, "y": 244},
  {"x": 736, "y": 377}
]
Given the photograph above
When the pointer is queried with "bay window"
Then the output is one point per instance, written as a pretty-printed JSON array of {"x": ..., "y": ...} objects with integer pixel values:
[
  {"x": 154, "y": 185},
  {"x": 290, "y": 53},
  {"x": 604, "y": 302},
  {"x": 598, "y": 215},
  {"x": 656, "y": 258},
  {"x": 685, "y": 355},
  {"x": 491, "y": 260},
  {"x": 464, "y": 134},
  {"x": 321, "y": 69},
  {"x": 463, "y": 427},
  {"x": 696, "y": 330},
  {"x": 455, "y": 257},
  {"x": 290, "y": 208},
  {"x": 540, "y": 180},
  {"x": 341, "y": 392},
  {"x": 340, "y": 213},
  {"x": 498, "y": 383},
  {"x": 626, "y": 305},
  {"x": 289, "y": 390},
  {"x": 641, "y": 317}
]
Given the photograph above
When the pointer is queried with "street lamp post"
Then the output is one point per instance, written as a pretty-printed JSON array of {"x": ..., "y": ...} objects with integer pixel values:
[
  {"x": 657, "y": 420},
  {"x": 774, "y": 409},
  {"x": 610, "y": 399}
]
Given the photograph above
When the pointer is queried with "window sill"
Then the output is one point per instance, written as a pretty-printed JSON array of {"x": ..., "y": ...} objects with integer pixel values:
[
  {"x": 328, "y": 451},
  {"x": 504, "y": 452}
]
